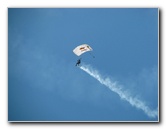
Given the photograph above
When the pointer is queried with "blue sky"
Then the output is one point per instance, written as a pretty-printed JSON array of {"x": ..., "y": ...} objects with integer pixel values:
[{"x": 45, "y": 85}]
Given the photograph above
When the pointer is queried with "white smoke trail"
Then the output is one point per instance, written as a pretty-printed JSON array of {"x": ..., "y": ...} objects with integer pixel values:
[{"x": 113, "y": 86}]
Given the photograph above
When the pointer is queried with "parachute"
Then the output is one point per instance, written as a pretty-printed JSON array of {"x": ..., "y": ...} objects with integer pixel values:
[{"x": 79, "y": 50}]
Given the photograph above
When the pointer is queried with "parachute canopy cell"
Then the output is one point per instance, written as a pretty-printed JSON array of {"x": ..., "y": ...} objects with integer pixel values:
[{"x": 82, "y": 49}]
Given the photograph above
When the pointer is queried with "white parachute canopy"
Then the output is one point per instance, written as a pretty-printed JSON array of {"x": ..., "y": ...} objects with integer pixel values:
[{"x": 82, "y": 49}]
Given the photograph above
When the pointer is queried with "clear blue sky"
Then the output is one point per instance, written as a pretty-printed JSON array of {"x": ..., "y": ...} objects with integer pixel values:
[{"x": 45, "y": 85}]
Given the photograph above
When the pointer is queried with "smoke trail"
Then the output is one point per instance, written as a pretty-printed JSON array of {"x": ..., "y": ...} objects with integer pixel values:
[{"x": 118, "y": 89}]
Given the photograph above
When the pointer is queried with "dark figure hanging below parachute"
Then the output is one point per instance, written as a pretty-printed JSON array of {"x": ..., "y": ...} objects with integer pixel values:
[{"x": 78, "y": 62}]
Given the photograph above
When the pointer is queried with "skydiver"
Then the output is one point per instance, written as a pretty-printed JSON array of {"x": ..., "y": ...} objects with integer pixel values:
[{"x": 78, "y": 62}]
